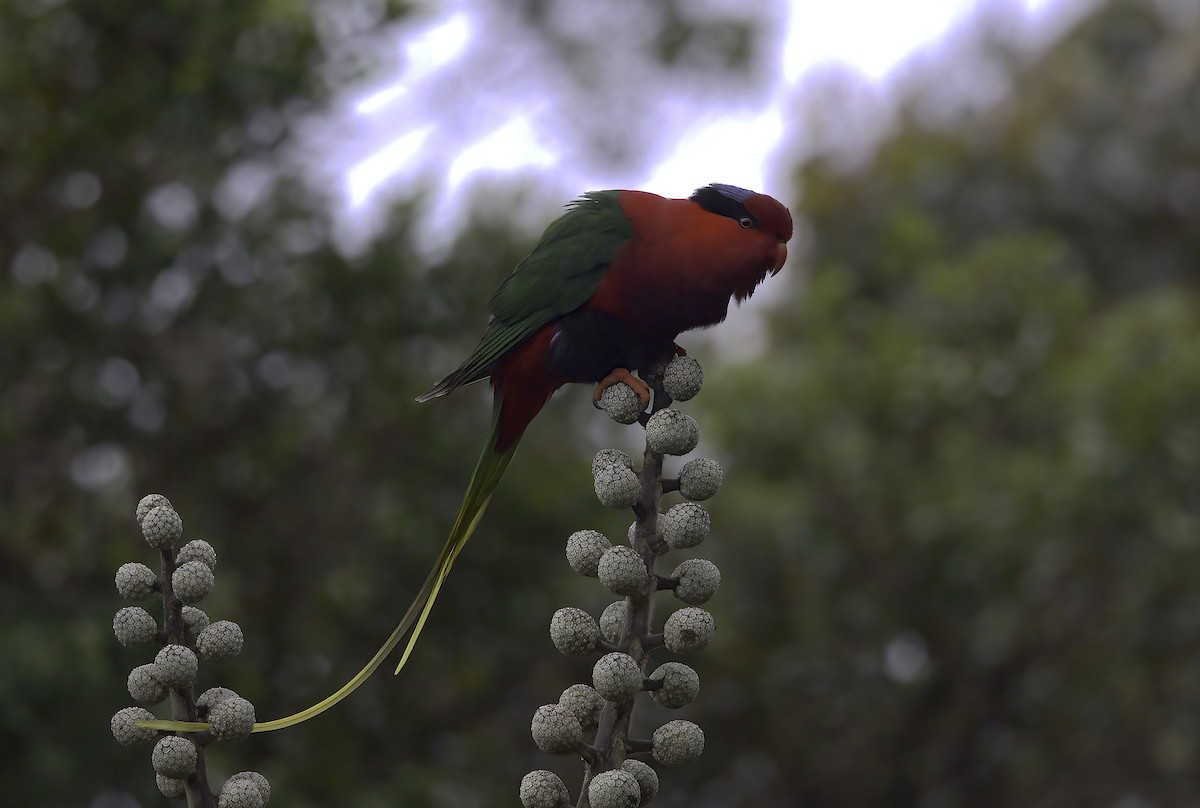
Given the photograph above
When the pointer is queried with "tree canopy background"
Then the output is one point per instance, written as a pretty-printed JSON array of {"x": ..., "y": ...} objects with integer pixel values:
[{"x": 961, "y": 521}]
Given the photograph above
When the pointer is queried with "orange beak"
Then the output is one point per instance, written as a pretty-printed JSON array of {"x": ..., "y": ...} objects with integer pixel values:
[{"x": 780, "y": 258}]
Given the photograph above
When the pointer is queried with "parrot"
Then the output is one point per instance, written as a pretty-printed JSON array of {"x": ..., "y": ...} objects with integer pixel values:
[{"x": 607, "y": 289}]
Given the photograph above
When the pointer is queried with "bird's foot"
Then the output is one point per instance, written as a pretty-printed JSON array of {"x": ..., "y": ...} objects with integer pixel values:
[
  {"x": 622, "y": 375},
  {"x": 679, "y": 349}
]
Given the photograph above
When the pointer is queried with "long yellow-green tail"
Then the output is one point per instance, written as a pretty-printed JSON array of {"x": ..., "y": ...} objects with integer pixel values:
[{"x": 488, "y": 471}]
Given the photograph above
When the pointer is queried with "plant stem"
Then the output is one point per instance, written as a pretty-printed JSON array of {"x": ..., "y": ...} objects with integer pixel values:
[
  {"x": 183, "y": 702},
  {"x": 612, "y": 734}
]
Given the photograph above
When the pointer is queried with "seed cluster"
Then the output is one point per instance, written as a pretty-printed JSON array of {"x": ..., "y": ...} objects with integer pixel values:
[
  {"x": 185, "y": 637},
  {"x": 619, "y": 774}
]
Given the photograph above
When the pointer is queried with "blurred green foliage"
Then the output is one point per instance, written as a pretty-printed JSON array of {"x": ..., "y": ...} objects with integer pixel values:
[{"x": 961, "y": 516}]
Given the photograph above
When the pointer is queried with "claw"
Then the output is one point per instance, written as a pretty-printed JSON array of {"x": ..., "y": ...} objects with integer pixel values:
[
  {"x": 622, "y": 375},
  {"x": 679, "y": 350}
]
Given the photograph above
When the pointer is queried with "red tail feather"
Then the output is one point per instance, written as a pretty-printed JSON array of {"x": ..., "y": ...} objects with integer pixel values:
[{"x": 523, "y": 383}]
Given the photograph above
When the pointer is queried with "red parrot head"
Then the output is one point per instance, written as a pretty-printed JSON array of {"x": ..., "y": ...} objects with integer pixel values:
[{"x": 769, "y": 221}]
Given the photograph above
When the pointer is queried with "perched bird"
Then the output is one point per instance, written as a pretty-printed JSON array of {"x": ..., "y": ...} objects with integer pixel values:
[{"x": 606, "y": 291}]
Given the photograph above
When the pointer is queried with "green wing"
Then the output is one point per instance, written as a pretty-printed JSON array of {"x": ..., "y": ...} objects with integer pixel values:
[{"x": 560, "y": 275}]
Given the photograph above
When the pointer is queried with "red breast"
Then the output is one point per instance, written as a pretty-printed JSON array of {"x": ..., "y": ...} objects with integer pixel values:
[{"x": 684, "y": 264}]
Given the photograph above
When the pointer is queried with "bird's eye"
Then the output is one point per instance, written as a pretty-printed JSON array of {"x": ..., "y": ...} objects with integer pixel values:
[{"x": 746, "y": 222}]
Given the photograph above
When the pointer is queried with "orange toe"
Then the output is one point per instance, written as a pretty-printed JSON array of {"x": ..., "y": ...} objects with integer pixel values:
[{"x": 623, "y": 375}]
